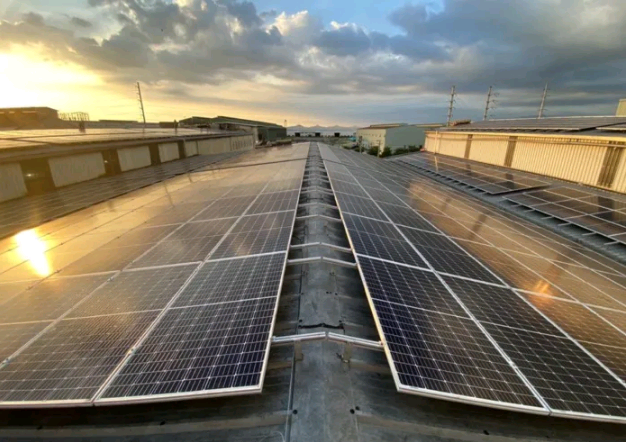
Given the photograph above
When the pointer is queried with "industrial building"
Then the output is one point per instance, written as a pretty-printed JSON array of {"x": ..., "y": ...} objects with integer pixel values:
[
  {"x": 394, "y": 136},
  {"x": 263, "y": 132},
  {"x": 30, "y": 118},
  {"x": 37, "y": 161},
  {"x": 306, "y": 293},
  {"x": 587, "y": 150}
]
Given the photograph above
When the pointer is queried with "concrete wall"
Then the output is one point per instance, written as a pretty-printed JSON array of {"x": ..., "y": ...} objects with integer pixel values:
[
  {"x": 11, "y": 182},
  {"x": 214, "y": 146},
  {"x": 405, "y": 136},
  {"x": 168, "y": 152},
  {"x": 594, "y": 161},
  {"x": 191, "y": 148},
  {"x": 134, "y": 158},
  {"x": 76, "y": 168}
]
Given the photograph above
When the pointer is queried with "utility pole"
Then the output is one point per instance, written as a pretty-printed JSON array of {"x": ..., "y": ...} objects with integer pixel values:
[
  {"x": 143, "y": 114},
  {"x": 488, "y": 105},
  {"x": 452, "y": 94},
  {"x": 543, "y": 101}
]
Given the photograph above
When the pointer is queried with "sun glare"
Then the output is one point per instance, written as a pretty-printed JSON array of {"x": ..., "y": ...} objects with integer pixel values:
[{"x": 32, "y": 249}]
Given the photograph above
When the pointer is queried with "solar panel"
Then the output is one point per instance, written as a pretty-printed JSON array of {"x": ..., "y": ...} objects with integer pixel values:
[
  {"x": 215, "y": 338},
  {"x": 483, "y": 178},
  {"x": 381, "y": 240},
  {"x": 136, "y": 291},
  {"x": 16, "y": 335},
  {"x": 603, "y": 214},
  {"x": 70, "y": 361},
  {"x": 81, "y": 333},
  {"x": 573, "y": 374},
  {"x": 49, "y": 299}
]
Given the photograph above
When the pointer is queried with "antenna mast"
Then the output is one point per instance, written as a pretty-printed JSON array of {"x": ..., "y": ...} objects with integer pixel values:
[
  {"x": 543, "y": 101},
  {"x": 451, "y": 106},
  {"x": 488, "y": 105},
  {"x": 143, "y": 114}
]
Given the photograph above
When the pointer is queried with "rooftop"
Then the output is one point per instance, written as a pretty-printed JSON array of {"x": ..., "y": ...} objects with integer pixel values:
[{"x": 338, "y": 296}]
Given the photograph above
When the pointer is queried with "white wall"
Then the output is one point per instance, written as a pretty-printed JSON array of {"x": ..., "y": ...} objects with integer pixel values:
[
  {"x": 213, "y": 146},
  {"x": 168, "y": 152},
  {"x": 11, "y": 182},
  {"x": 134, "y": 158},
  {"x": 191, "y": 148},
  {"x": 76, "y": 168}
]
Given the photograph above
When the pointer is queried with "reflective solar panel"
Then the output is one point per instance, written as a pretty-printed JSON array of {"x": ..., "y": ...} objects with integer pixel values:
[
  {"x": 49, "y": 299},
  {"x": 567, "y": 354},
  {"x": 598, "y": 212},
  {"x": 478, "y": 176},
  {"x": 135, "y": 291}
]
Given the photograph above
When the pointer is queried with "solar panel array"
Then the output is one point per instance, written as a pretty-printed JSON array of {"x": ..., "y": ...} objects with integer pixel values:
[
  {"x": 16, "y": 215},
  {"x": 597, "y": 212},
  {"x": 478, "y": 307},
  {"x": 180, "y": 305},
  {"x": 28, "y": 138},
  {"x": 485, "y": 179},
  {"x": 558, "y": 123}
]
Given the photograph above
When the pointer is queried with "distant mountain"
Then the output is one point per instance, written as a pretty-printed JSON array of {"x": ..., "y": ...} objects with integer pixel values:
[{"x": 317, "y": 128}]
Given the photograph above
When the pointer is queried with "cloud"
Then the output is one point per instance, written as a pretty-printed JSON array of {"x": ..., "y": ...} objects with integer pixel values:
[
  {"x": 518, "y": 45},
  {"x": 82, "y": 23}
]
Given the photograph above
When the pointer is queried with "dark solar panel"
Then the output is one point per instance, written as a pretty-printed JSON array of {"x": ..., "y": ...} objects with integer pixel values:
[
  {"x": 359, "y": 206},
  {"x": 71, "y": 361},
  {"x": 449, "y": 355},
  {"x": 566, "y": 352},
  {"x": 381, "y": 240},
  {"x": 16, "y": 335},
  {"x": 565, "y": 375},
  {"x": 214, "y": 338}
]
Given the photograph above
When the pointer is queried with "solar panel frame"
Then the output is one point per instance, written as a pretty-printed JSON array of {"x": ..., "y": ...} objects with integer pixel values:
[
  {"x": 539, "y": 408},
  {"x": 100, "y": 398},
  {"x": 586, "y": 354}
]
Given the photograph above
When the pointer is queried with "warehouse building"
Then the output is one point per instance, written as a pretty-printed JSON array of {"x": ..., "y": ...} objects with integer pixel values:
[
  {"x": 394, "y": 136},
  {"x": 37, "y": 161},
  {"x": 263, "y": 132},
  {"x": 587, "y": 150}
]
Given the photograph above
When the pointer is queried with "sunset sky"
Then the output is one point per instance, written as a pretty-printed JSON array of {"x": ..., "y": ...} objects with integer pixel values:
[{"x": 313, "y": 62}]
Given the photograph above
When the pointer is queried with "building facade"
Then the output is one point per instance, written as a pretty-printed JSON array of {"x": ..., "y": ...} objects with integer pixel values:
[
  {"x": 394, "y": 136},
  {"x": 592, "y": 155},
  {"x": 262, "y": 131}
]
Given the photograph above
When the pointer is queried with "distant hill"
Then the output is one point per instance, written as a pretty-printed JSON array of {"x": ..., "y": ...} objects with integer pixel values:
[{"x": 344, "y": 130}]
